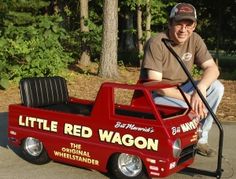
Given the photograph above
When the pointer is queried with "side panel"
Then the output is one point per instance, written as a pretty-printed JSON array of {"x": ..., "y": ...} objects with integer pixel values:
[
  {"x": 82, "y": 141},
  {"x": 67, "y": 138}
]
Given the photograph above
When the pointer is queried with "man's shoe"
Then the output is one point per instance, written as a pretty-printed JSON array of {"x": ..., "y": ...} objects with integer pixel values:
[{"x": 205, "y": 150}]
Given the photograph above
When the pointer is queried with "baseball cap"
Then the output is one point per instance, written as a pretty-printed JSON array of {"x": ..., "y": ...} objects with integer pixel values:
[{"x": 183, "y": 11}]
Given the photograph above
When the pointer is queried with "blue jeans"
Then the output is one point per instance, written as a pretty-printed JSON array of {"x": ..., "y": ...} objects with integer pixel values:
[{"x": 213, "y": 97}]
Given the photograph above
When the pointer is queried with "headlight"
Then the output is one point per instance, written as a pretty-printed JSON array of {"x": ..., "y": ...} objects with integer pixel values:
[{"x": 176, "y": 148}]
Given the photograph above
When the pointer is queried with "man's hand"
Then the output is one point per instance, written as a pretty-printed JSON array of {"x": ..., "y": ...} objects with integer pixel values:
[{"x": 197, "y": 104}]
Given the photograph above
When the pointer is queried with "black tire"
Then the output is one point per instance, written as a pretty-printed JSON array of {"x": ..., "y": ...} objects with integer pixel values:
[
  {"x": 34, "y": 152},
  {"x": 127, "y": 166}
]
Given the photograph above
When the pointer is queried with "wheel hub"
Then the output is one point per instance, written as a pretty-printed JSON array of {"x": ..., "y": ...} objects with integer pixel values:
[
  {"x": 33, "y": 146},
  {"x": 129, "y": 165}
]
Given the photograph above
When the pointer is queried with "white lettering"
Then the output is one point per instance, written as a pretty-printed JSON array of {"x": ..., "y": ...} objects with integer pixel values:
[
  {"x": 77, "y": 130},
  {"x": 133, "y": 127},
  {"x": 38, "y": 123},
  {"x": 128, "y": 140},
  {"x": 189, "y": 125}
]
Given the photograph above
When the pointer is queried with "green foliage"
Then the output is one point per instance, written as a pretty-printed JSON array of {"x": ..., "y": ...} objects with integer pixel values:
[
  {"x": 160, "y": 12},
  {"x": 90, "y": 41},
  {"x": 158, "y": 9},
  {"x": 132, "y": 4},
  {"x": 78, "y": 41},
  {"x": 38, "y": 38},
  {"x": 31, "y": 47},
  {"x": 196, "y": 72},
  {"x": 93, "y": 38}
]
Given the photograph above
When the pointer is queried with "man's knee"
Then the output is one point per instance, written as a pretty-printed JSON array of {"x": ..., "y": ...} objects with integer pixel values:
[{"x": 217, "y": 88}]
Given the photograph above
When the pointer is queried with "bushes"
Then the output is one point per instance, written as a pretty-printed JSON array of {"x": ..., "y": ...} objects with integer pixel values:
[{"x": 32, "y": 48}]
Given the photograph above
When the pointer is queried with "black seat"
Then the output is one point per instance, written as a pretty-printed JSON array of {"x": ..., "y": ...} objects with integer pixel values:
[{"x": 43, "y": 91}]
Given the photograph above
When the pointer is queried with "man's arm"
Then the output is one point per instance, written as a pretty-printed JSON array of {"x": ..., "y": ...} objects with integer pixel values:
[
  {"x": 210, "y": 74},
  {"x": 170, "y": 92}
]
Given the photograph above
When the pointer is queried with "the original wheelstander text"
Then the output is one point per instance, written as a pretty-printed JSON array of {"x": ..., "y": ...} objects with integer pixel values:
[
  {"x": 127, "y": 140},
  {"x": 76, "y": 153}
]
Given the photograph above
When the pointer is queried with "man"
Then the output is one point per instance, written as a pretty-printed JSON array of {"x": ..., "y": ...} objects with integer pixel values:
[{"x": 160, "y": 65}]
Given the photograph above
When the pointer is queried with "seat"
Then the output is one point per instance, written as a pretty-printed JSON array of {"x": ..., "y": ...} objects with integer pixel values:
[{"x": 43, "y": 91}]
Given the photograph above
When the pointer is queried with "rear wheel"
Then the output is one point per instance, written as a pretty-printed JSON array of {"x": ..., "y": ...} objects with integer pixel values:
[
  {"x": 33, "y": 151},
  {"x": 127, "y": 166}
]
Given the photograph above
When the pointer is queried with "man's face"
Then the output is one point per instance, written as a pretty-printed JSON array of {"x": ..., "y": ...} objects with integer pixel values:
[{"x": 180, "y": 31}]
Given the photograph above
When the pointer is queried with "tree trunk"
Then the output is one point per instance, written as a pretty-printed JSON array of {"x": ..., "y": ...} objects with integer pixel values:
[
  {"x": 85, "y": 57},
  {"x": 129, "y": 40},
  {"x": 108, "y": 63},
  {"x": 140, "y": 30},
  {"x": 148, "y": 20}
]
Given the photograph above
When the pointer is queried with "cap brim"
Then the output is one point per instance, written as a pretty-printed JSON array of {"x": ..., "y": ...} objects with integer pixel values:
[{"x": 179, "y": 18}]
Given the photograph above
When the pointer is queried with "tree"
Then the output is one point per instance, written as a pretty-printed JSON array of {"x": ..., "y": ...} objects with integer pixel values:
[
  {"x": 139, "y": 29},
  {"x": 108, "y": 63},
  {"x": 129, "y": 35},
  {"x": 148, "y": 19},
  {"x": 85, "y": 57}
]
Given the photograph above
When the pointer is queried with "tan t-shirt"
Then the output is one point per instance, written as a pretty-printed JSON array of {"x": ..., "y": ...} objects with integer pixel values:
[{"x": 157, "y": 57}]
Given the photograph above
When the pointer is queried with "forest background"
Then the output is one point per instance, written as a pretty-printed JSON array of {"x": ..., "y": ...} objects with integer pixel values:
[{"x": 42, "y": 37}]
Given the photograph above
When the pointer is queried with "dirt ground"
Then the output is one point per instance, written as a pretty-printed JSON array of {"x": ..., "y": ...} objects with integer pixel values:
[{"x": 87, "y": 85}]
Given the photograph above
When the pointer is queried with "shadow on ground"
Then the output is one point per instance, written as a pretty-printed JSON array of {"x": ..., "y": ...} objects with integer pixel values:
[{"x": 3, "y": 129}]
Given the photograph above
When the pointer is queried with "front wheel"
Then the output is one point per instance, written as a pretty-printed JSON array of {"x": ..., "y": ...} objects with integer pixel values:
[
  {"x": 127, "y": 166},
  {"x": 33, "y": 151}
]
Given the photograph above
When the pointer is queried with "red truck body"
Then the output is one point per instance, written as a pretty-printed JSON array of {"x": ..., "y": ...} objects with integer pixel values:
[{"x": 90, "y": 135}]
